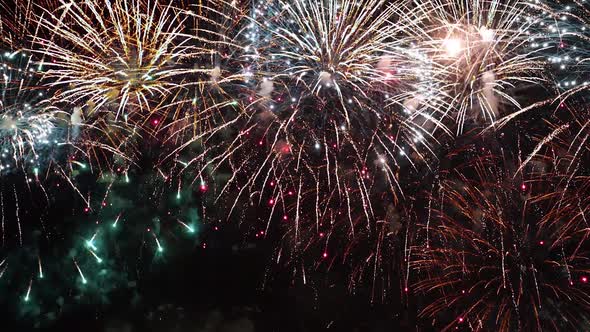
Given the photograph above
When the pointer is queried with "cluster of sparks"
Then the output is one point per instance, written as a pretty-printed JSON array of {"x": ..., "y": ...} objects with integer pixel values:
[{"x": 327, "y": 113}]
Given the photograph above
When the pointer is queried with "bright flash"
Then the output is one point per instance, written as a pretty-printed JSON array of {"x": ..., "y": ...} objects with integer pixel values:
[
  {"x": 487, "y": 35},
  {"x": 453, "y": 47}
]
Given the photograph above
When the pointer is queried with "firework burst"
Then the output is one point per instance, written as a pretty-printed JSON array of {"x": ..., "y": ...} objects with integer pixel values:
[
  {"x": 27, "y": 123},
  {"x": 116, "y": 68},
  {"x": 480, "y": 55},
  {"x": 215, "y": 81},
  {"x": 332, "y": 49},
  {"x": 311, "y": 135},
  {"x": 17, "y": 21},
  {"x": 567, "y": 31},
  {"x": 124, "y": 56},
  {"x": 501, "y": 256}
]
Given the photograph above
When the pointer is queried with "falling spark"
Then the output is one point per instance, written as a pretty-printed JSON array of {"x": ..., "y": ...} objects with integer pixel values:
[{"x": 80, "y": 272}]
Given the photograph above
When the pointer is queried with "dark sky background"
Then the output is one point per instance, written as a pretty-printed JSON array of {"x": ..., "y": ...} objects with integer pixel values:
[
  {"x": 230, "y": 286},
  {"x": 219, "y": 289}
]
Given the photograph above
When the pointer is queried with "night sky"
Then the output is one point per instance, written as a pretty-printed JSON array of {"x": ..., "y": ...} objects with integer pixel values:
[{"x": 305, "y": 165}]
